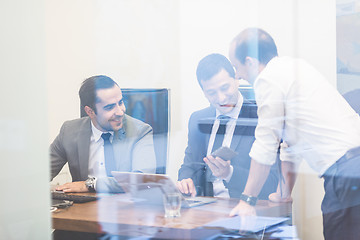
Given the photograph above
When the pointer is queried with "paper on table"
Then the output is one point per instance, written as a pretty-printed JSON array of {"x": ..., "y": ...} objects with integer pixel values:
[{"x": 248, "y": 223}]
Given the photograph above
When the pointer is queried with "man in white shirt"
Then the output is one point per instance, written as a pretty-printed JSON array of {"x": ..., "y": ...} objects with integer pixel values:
[
  {"x": 216, "y": 126},
  {"x": 297, "y": 104}
]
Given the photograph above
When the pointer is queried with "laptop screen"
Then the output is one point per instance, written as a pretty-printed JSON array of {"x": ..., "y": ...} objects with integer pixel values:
[{"x": 132, "y": 181}]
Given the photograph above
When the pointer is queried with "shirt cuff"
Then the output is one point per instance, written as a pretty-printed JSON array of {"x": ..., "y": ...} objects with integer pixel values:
[
  {"x": 287, "y": 155},
  {"x": 227, "y": 179},
  {"x": 258, "y": 154}
]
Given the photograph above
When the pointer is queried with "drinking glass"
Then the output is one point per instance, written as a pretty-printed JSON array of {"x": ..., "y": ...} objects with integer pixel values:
[{"x": 172, "y": 205}]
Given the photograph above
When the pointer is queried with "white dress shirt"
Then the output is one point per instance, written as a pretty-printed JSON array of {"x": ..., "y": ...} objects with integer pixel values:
[
  {"x": 297, "y": 104},
  {"x": 219, "y": 189},
  {"x": 96, "y": 154}
]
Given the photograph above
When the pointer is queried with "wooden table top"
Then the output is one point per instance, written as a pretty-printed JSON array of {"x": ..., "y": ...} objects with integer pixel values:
[{"x": 116, "y": 214}]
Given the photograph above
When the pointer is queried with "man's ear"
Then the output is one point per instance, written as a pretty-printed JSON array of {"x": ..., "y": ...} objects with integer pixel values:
[
  {"x": 249, "y": 61},
  {"x": 89, "y": 111}
]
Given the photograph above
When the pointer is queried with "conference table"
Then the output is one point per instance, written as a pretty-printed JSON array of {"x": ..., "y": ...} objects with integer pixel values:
[{"x": 121, "y": 215}]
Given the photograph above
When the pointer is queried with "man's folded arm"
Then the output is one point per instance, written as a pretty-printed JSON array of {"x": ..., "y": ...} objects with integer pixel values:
[{"x": 57, "y": 155}]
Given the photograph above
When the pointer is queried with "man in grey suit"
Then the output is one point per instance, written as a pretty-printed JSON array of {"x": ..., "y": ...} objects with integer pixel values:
[{"x": 106, "y": 140}]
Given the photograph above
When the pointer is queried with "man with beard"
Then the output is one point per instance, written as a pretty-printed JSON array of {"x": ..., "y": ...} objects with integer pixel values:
[{"x": 106, "y": 140}]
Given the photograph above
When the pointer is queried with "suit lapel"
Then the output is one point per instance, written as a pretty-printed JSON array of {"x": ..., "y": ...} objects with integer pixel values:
[
  {"x": 211, "y": 120},
  {"x": 207, "y": 138},
  {"x": 83, "y": 142}
]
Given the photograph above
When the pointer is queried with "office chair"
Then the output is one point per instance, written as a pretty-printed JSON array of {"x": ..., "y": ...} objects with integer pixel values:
[{"x": 247, "y": 92}]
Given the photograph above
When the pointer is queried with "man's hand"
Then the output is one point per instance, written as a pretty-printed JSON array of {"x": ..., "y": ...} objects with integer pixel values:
[
  {"x": 243, "y": 209},
  {"x": 218, "y": 166},
  {"x": 187, "y": 186},
  {"x": 73, "y": 187},
  {"x": 246, "y": 213}
]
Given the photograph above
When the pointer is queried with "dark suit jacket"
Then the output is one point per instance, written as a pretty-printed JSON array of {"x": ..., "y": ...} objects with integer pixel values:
[
  {"x": 133, "y": 151},
  {"x": 200, "y": 125}
]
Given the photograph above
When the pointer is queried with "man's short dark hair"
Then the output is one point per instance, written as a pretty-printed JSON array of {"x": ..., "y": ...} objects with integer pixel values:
[
  {"x": 89, "y": 86},
  {"x": 255, "y": 43},
  {"x": 211, "y": 65}
]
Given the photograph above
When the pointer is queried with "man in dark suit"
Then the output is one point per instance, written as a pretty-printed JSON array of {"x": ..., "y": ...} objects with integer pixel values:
[
  {"x": 230, "y": 119},
  {"x": 104, "y": 141}
]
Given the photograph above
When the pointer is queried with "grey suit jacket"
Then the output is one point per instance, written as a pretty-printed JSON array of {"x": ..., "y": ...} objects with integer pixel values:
[
  {"x": 200, "y": 125},
  {"x": 134, "y": 151}
]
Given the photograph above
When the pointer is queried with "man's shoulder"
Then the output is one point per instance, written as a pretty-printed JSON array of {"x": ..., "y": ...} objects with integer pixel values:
[
  {"x": 279, "y": 66},
  {"x": 203, "y": 113},
  {"x": 204, "y": 117},
  {"x": 134, "y": 126},
  {"x": 77, "y": 124},
  {"x": 132, "y": 120},
  {"x": 78, "y": 121}
]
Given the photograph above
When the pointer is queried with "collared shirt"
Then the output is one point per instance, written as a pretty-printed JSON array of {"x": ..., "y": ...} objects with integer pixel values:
[
  {"x": 219, "y": 188},
  {"x": 297, "y": 104},
  {"x": 96, "y": 154}
]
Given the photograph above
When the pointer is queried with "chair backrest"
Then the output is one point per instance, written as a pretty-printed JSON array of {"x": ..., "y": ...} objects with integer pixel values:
[
  {"x": 353, "y": 98},
  {"x": 248, "y": 92},
  {"x": 152, "y": 106}
]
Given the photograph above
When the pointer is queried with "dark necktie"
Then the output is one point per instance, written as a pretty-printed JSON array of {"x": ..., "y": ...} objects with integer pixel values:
[
  {"x": 219, "y": 138},
  {"x": 109, "y": 154}
]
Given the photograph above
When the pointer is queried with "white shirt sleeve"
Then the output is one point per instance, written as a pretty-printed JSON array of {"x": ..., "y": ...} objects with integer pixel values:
[
  {"x": 271, "y": 110},
  {"x": 287, "y": 155}
]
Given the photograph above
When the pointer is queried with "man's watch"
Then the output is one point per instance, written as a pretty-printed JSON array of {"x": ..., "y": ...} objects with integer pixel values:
[
  {"x": 90, "y": 184},
  {"x": 249, "y": 199}
]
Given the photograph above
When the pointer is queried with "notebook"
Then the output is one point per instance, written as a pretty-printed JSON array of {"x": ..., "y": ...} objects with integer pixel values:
[
  {"x": 151, "y": 187},
  {"x": 250, "y": 224}
]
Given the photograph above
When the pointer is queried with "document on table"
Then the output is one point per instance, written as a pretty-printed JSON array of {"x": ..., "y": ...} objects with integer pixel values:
[{"x": 247, "y": 223}]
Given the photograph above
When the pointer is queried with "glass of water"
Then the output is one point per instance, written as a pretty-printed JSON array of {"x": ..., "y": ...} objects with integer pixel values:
[{"x": 172, "y": 205}]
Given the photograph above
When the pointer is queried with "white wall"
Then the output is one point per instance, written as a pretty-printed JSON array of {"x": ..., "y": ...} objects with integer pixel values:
[
  {"x": 24, "y": 171},
  {"x": 158, "y": 43},
  {"x": 134, "y": 42}
]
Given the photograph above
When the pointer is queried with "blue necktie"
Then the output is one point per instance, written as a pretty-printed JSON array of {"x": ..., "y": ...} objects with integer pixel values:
[{"x": 109, "y": 154}]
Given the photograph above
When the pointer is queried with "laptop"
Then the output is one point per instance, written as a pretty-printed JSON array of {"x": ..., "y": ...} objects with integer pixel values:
[{"x": 151, "y": 188}]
